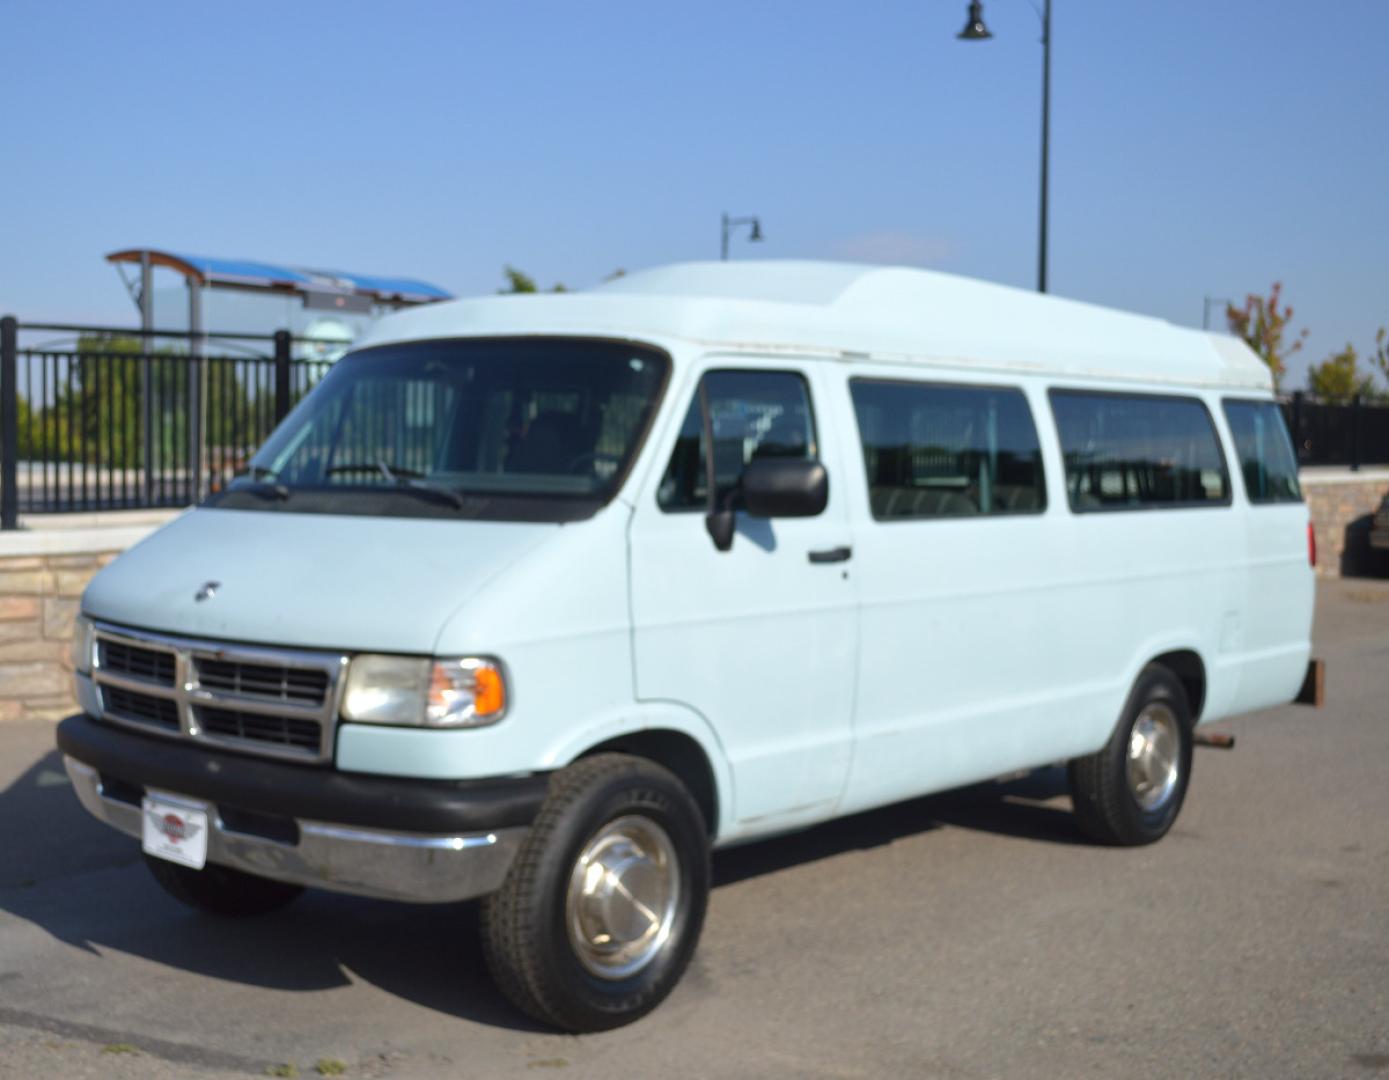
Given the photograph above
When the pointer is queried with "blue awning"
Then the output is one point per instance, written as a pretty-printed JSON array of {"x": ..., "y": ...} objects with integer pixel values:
[{"x": 252, "y": 274}]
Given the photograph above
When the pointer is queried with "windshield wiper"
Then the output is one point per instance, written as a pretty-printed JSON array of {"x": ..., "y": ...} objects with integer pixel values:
[
  {"x": 406, "y": 479},
  {"x": 263, "y": 482}
]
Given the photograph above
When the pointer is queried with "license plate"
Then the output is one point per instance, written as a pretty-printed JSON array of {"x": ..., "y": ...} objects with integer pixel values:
[{"x": 174, "y": 832}]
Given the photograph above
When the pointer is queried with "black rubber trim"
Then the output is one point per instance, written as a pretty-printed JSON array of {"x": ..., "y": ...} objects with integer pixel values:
[{"x": 272, "y": 787}]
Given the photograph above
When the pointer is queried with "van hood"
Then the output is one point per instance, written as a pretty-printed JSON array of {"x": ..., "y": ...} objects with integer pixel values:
[{"x": 315, "y": 581}]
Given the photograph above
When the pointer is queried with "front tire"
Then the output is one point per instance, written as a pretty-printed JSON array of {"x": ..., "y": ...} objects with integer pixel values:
[
  {"x": 220, "y": 889},
  {"x": 602, "y": 908},
  {"x": 1130, "y": 792}
]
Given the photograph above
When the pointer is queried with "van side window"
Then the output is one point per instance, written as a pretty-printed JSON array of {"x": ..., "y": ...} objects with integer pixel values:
[
  {"x": 1138, "y": 451},
  {"x": 933, "y": 450},
  {"x": 754, "y": 414},
  {"x": 1265, "y": 451}
]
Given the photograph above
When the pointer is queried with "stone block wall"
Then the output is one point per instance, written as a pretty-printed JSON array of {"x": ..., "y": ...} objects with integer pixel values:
[
  {"x": 1342, "y": 504},
  {"x": 39, "y": 595}
]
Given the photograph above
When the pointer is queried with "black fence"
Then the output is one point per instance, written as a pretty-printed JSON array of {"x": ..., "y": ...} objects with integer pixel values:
[
  {"x": 116, "y": 419},
  {"x": 113, "y": 419},
  {"x": 1325, "y": 434}
]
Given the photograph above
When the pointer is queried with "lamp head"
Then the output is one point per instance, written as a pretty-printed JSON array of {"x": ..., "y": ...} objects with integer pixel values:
[{"x": 975, "y": 30}]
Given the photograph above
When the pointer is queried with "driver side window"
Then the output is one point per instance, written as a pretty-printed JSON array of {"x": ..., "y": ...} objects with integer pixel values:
[{"x": 754, "y": 414}]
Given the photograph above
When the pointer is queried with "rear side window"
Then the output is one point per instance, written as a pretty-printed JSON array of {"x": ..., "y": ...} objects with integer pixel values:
[
  {"x": 1138, "y": 452},
  {"x": 1265, "y": 452},
  {"x": 753, "y": 414},
  {"x": 934, "y": 450}
]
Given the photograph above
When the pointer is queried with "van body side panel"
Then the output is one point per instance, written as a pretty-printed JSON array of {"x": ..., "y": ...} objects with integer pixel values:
[
  {"x": 757, "y": 639},
  {"x": 1279, "y": 596},
  {"x": 990, "y": 644}
]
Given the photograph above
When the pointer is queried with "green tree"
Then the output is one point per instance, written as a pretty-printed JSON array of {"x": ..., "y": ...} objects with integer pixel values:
[
  {"x": 1264, "y": 326},
  {"x": 519, "y": 282},
  {"x": 96, "y": 415},
  {"x": 1381, "y": 356},
  {"x": 1339, "y": 377}
]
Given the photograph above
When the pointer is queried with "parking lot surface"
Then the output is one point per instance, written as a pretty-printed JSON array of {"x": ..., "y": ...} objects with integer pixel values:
[{"x": 974, "y": 934}]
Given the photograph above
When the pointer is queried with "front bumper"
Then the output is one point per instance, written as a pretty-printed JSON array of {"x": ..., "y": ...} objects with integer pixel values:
[{"x": 418, "y": 841}]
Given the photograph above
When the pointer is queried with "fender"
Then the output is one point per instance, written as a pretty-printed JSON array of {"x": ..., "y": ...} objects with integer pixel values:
[
  {"x": 640, "y": 716},
  {"x": 1185, "y": 640}
]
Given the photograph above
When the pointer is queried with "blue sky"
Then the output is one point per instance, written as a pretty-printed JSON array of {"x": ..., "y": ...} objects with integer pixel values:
[{"x": 1198, "y": 147}]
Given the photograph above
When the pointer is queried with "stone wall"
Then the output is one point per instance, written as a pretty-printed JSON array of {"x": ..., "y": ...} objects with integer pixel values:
[
  {"x": 43, "y": 570},
  {"x": 1342, "y": 504},
  {"x": 39, "y": 595}
]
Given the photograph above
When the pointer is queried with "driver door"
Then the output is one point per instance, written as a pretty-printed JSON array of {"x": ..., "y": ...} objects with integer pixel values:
[{"x": 761, "y": 638}]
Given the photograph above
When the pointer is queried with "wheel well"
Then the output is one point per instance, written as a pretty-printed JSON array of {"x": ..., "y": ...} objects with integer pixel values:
[
  {"x": 680, "y": 754},
  {"x": 1191, "y": 673}
]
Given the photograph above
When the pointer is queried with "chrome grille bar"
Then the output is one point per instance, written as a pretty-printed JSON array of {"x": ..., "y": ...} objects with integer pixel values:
[{"x": 264, "y": 698}]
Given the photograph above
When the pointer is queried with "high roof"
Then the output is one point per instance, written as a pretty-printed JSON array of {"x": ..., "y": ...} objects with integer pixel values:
[
  {"x": 252, "y": 274},
  {"x": 893, "y": 314}
]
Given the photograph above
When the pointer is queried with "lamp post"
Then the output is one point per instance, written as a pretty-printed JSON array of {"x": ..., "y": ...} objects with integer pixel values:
[
  {"x": 731, "y": 223},
  {"x": 975, "y": 30}
]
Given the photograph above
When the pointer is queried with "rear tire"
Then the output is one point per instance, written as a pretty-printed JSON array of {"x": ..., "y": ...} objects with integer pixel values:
[
  {"x": 603, "y": 906},
  {"x": 220, "y": 889},
  {"x": 1130, "y": 792}
]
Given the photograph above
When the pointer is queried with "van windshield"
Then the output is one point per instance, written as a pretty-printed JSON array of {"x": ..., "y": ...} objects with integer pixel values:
[{"x": 522, "y": 429}]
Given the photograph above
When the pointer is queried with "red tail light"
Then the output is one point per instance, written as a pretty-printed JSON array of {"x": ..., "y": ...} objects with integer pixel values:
[{"x": 1311, "y": 545}]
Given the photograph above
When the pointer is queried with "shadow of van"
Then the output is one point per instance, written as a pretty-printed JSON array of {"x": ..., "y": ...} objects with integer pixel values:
[
  {"x": 86, "y": 885},
  {"x": 1358, "y": 558}
]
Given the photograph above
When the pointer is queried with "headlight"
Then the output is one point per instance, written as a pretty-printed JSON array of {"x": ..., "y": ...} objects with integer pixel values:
[
  {"x": 420, "y": 692},
  {"x": 82, "y": 645}
]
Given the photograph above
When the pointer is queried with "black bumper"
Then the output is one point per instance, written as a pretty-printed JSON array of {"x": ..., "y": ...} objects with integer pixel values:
[{"x": 299, "y": 791}]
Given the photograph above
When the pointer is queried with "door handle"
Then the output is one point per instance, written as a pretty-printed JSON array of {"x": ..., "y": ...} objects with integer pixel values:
[{"x": 829, "y": 555}]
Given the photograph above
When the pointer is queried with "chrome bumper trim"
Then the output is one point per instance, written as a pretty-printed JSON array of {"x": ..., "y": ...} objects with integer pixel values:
[{"x": 412, "y": 867}]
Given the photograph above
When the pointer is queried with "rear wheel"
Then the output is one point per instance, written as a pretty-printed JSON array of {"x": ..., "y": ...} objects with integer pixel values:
[
  {"x": 1130, "y": 791},
  {"x": 220, "y": 889},
  {"x": 602, "y": 909}
]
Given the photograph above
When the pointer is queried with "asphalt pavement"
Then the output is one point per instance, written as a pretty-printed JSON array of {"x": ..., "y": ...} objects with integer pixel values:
[{"x": 974, "y": 934}]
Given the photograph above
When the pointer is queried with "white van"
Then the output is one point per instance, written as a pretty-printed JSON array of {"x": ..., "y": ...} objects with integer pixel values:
[{"x": 540, "y": 598}]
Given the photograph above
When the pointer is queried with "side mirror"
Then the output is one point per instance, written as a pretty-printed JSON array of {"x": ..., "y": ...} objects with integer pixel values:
[
  {"x": 784, "y": 487},
  {"x": 771, "y": 488}
]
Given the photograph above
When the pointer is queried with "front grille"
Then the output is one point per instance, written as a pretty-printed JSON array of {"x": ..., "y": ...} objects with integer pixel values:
[
  {"x": 260, "y": 700},
  {"x": 277, "y": 682},
  {"x": 160, "y": 712},
  {"x": 255, "y": 727},
  {"x": 148, "y": 665}
]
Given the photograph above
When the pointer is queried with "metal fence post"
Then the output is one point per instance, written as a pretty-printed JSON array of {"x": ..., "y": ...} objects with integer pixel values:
[
  {"x": 147, "y": 378},
  {"x": 1299, "y": 450},
  {"x": 282, "y": 381},
  {"x": 1355, "y": 433},
  {"x": 9, "y": 423},
  {"x": 196, "y": 350}
]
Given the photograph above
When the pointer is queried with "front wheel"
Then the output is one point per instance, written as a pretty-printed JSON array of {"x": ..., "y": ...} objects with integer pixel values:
[
  {"x": 220, "y": 889},
  {"x": 1130, "y": 791},
  {"x": 602, "y": 908}
]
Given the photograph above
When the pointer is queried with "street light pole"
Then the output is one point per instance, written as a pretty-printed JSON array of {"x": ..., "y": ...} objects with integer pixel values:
[
  {"x": 731, "y": 223},
  {"x": 1209, "y": 302},
  {"x": 975, "y": 30}
]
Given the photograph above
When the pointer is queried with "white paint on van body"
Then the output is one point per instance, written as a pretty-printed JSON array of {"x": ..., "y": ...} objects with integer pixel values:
[{"x": 944, "y": 652}]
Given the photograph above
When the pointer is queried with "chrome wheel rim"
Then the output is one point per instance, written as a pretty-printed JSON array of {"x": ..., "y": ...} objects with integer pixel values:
[
  {"x": 623, "y": 893},
  {"x": 1154, "y": 762}
]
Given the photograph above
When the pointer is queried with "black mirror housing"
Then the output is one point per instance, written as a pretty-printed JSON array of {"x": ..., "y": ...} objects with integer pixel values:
[{"x": 784, "y": 487}]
